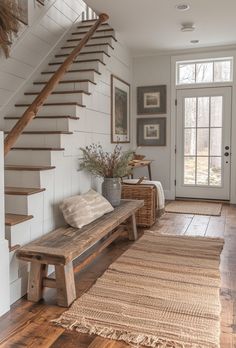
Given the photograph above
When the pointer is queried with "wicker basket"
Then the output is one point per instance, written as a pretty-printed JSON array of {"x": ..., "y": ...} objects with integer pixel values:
[{"x": 146, "y": 216}]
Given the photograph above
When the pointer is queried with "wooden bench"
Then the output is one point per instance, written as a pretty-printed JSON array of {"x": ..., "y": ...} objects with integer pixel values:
[{"x": 65, "y": 244}]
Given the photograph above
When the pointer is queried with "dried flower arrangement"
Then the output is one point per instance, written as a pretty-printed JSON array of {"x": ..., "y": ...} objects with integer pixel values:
[
  {"x": 106, "y": 164},
  {"x": 9, "y": 24}
]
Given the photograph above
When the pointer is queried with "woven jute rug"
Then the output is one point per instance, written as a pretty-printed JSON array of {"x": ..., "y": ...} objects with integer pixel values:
[
  {"x": 162, "y": 292},
  {"x": 196, "y": 208}
]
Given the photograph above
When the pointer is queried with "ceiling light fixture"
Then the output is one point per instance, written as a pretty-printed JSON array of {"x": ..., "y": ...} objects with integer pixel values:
[
  {"x": 187, "y": 27},
  {"x": 182, "y": 7},
  {"x": 194, "y": 41}
]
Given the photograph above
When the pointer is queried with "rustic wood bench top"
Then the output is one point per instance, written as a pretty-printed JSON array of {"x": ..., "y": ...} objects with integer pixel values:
[{"x": 67, "y": 243}]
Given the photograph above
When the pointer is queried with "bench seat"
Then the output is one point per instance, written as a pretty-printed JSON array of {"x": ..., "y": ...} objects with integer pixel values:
[{"x": 65, "y": 244}]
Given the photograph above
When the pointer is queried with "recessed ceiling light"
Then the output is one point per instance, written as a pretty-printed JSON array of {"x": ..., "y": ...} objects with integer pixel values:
[
  {"x": 182, "y": 7},
  {"x": 194, "y": 41},
  {"x": 186, "y": 27}
]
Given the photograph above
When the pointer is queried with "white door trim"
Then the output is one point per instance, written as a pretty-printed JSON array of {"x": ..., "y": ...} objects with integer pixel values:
[
  {"x": 200, "y": 191},
  {"x": 219, "y": 53}
]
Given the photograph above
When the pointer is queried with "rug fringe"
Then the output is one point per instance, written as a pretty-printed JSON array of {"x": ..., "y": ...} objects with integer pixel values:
[{"x": 135, "y": 340}]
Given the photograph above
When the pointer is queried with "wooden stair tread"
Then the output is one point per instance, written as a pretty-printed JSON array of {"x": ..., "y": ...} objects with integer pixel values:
[
  {"x": 90, "y": 25},
  {"x": 72, "y": 71},
  {"x": 61, "y": 92},
  {"x": 96, "y": 38},
  {"x": 53, "y": 104},
  {"x": 15, "y": 219},
  {"x": 43, "y": 132},
  {"x": 97, "y": 31},
  {"x": 38, "y": 148},
  {"x": 28, "y": 168},
  {"x": 76, "y": 70},
  {"x": 65, "y": 81},
  {"x": 90, "y": 45},
  {"x": 14, "y": 247},
  {"x": 42, "y": 117},
  {"x": 80, "y": 61},
  {"x": 22, "y": 191},
  {"x": 82, "y": 53}
]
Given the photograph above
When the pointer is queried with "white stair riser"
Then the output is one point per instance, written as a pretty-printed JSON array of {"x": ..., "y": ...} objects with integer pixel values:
[
  {"x": 88, "y": 56},
  {"x": 41, "y": 158},
  {"x": 53, "y": 110},
  {"x": 96, "y": 34},
  {"x": 105, "y": 48},
  {"x": 47, "y": 124},
  {"x": 79, "y": 98},
  {"x": 26, "y": 205},
  {"x": 81, "y": 75},
  {"x": 17, "y": 267},
  {"x": 18, "y": 288},
  {"x": 96, "y": 65},
  {"x": 71, "y": 86},
  {"x": 109, "y": 40},
  {"x": 40, "y": 140},
  {"x": 15, "y": 178},
  {"x": 83, "y": 26},
  {"x": 18, "y": 234},
  {"x": 22, "y": 157}
]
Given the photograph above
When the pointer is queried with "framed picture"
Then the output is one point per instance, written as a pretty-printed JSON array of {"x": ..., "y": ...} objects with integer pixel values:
[
  {"x": 151, "y": 131},
  {"x": 23, "y": 5},
  {"x": 151, "y": 100},
  {"x": 120, "y": 110}
]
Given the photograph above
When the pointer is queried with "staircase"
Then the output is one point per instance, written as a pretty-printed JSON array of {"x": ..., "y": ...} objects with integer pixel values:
[{"x": 42, "y": 167}]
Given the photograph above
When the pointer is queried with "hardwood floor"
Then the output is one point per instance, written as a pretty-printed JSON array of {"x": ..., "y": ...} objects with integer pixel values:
[{"x": 28, "y": 325}]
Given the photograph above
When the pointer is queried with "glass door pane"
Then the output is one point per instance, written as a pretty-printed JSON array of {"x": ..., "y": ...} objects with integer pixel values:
[{"x": 203, "y": 141}]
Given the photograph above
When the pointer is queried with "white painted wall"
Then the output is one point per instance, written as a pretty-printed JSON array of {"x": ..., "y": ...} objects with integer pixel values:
[
  {"x": 4, "y": 252},
  {"x": 160, "y": 69},
  {"x": 149, "y": 71}
]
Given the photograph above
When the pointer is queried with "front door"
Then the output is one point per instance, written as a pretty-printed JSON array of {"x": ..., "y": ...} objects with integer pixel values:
[{"x": 203, "y": 143}]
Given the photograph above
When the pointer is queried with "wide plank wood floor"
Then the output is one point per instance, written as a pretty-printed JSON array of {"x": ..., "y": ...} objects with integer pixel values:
[{"x": 28, "y": 325}]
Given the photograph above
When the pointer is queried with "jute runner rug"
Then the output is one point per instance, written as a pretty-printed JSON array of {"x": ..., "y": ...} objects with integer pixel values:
[
  {"x": 196, "y": 208},
  {"x": 162, "y": 292}
]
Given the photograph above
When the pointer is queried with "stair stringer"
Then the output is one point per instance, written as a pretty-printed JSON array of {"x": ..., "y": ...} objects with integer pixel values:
[{"x": 88, "y": 124}]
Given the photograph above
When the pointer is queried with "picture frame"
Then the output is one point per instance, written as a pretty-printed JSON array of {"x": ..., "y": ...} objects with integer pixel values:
[
  {"x": 151, "y": 131},
  {"x": 120, "y": 110},
  {"x": 24, "y": 13},
  {"x": 151, "y": 100}
]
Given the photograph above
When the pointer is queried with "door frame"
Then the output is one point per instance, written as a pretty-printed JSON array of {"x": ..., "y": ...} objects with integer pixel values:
[
  {"x": 207, "y": 54},
  {"x": 201, "y": 191}
]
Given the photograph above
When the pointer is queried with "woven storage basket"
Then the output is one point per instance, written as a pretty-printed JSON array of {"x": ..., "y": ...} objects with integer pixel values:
[{"x": 146, "y": 216}]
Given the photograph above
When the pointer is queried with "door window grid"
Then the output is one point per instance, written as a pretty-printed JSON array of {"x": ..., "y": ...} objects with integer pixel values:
[
  {"x": 194, "y": 162},
  {"x": 204, "y": 71}
]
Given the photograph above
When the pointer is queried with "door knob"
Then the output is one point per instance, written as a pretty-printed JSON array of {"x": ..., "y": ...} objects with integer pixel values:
[
  {"x": 226, "y": 147},
  {"x": 226, "y": 154}
]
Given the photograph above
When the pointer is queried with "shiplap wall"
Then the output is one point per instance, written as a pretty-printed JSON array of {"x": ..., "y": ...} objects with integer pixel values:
[
  {"x": 47, "y": 25},
  {"x": 94, "y": 125}
]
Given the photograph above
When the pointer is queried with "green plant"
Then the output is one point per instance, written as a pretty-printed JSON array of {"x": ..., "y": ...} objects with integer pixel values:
[
  {"x": 9, "y": 24},
  {"x": 106, "y": 164}
]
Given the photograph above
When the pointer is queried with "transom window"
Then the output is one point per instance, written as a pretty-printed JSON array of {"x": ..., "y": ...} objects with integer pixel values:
[{"x": 204, "y": 71}]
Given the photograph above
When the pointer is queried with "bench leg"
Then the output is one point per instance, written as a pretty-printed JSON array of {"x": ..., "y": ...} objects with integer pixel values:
[
  {"x": 35, "y": 286},
  {"x": 132, "y": 228},
  {"x": 65, "y": 283}
]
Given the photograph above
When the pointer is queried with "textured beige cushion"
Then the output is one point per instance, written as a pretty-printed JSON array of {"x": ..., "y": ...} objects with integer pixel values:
[{"x": 79, "y": 211}]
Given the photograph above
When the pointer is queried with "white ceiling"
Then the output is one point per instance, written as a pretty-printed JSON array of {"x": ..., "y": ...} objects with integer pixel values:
[{"x": 154, "y": 25}]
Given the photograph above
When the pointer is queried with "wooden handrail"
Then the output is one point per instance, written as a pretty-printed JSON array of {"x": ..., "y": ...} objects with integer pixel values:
[{"x": 33, "y": 109}]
